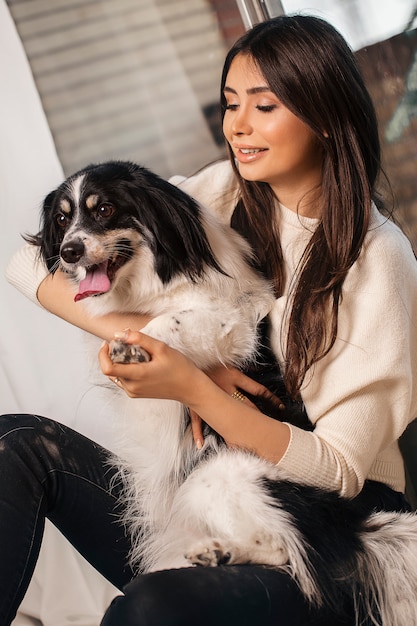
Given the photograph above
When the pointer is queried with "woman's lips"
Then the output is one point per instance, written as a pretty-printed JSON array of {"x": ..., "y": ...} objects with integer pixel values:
[{"x": 248, "y": 155}]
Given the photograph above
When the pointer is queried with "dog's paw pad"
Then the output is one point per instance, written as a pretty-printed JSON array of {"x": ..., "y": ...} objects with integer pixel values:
[
  {"x": 208, "y": 555},
  {"x": 121, "y": 352}
]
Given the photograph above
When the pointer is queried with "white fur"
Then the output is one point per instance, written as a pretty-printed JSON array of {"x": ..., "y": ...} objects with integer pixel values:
[
  {"x": 182, "y": 511},
  {"x": 391, "y": 566},
  {"x": 222, "y": 510},
  {"x": 212, "y": 321}
]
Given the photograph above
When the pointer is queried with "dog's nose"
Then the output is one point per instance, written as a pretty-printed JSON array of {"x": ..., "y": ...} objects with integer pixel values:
[{"x": 72, "y": 251}]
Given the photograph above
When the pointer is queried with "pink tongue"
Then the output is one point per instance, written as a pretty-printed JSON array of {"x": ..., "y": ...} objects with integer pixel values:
[{"x": 95, "y": 282}]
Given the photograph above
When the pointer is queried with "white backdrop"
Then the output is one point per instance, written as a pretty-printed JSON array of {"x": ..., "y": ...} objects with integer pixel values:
[
  {"x": 361, "y": 23},
  {"x": 41, "y": 357}
]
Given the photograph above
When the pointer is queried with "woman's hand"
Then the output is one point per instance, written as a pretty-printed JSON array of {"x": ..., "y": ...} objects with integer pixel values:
[
  {"x": 168, "y": 375},
  {"x": 234, "y": 381},
  {"x": 155, "y": 378}
]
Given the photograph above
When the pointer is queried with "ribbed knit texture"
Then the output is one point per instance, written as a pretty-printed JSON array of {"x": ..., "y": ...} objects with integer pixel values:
[{"x": 26, "y": 271}]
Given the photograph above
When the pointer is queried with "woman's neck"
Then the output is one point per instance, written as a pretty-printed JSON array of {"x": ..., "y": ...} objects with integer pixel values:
[{"x": 305, "y": 202}]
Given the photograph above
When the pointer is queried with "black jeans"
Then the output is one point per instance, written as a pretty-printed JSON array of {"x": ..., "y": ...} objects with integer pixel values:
[{"x": 49, "y": 470}]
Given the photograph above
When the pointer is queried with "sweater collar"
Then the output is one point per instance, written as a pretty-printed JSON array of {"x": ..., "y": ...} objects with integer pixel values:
[{"x": 291, "y": 218}]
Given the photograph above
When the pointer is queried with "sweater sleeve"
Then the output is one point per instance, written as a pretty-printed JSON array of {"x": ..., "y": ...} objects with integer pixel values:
[
  {"x": 362, "y": 395},
  {"x": 215, "y": 187},
  {"x": 26, "y": 270}
]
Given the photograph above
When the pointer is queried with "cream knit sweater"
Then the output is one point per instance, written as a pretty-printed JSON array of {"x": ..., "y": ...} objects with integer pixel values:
[{"x": 363, "y": 394}]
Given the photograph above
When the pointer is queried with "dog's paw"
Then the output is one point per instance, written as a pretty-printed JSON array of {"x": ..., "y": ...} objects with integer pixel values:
[
  {"x": 209, "y": 553},
  {"x": 121, "y": 352}
]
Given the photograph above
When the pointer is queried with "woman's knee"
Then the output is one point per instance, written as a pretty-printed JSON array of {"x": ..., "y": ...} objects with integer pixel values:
[
  {"x": 11, "y": 421},
  {"x": 16, "y": 425},
  {"x": 208, "y": 596},
  {"x": 20, "y": 431},
  {"x": 15, "y": 428},
  {"x": 147, "y": 601},
  {"x": 29, "y": 446}
]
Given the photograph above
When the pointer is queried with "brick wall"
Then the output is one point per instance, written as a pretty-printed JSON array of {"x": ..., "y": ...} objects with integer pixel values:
[
  {"x": 230, "y": 21},
  {"x": 390, "y": 71}
]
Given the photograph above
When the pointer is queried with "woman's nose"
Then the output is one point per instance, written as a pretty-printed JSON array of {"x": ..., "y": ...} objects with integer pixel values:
[{"x": 241, "y": 124}]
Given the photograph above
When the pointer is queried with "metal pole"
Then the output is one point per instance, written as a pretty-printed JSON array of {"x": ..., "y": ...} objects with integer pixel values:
[{"x": 255, "y": 11}]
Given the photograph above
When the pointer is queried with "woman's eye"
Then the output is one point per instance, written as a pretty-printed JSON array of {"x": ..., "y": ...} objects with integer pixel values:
[
  {"x": 231, "y": 107},
  {"x": 105, "y": 210},
  {"x": 266, "y": 108},
  {"x": 62, "y": 220}
]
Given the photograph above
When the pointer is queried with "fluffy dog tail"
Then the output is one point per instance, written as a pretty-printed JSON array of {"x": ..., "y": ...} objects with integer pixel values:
[
  {"x": 388, "y": 567},
  {"x": 351, "y": 557}
]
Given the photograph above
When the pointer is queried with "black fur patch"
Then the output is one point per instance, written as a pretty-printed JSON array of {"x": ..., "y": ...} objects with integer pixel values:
[{"x": 166, "y": 216}]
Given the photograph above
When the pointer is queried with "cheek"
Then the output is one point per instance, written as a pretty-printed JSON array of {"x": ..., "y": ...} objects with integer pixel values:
[
  {"x": 299, "y": 140},
  {"x": 280, "y": 133},
  {"x": 226, "y": 126}
]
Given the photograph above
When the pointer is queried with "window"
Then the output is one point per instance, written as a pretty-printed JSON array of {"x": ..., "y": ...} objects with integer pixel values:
[{"x": 133, "y": 79}]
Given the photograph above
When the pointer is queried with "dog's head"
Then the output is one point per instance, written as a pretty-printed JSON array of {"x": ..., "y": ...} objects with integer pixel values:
[{"x": 100, "y": 218}]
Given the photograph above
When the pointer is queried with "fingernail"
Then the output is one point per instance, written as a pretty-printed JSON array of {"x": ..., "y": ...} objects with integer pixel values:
[
  {"x": 199, "y": 444},
  {"x": 122, "y": 334}
]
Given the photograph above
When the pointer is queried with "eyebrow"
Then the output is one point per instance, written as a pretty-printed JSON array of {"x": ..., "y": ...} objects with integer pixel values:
[{"x": 250, "y": 92}]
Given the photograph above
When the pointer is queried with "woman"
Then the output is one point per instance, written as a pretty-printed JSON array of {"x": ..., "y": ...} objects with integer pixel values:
[{"x": 303, "y": 142}]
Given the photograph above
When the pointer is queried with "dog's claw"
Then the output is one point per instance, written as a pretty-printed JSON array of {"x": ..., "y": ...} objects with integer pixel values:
[{"x": 209, "y": 556}]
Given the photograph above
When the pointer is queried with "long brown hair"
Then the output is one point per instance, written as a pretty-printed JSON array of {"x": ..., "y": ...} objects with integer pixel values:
[{"x": 313, "y": 72}]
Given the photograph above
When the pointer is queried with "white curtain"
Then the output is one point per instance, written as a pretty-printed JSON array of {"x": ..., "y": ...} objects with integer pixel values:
[{"x": 41, "y": 358}]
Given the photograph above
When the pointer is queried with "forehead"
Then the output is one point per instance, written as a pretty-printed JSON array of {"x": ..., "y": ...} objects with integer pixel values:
[
  {"x": 244, "y": 75},
  {"x": 76, "y": 191},
  {"x": 91, "y": 200}
]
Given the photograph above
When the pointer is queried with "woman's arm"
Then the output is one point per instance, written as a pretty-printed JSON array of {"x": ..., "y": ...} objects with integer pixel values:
[
  {"x": 56, "y": 294},
  {"x": 28, "y": 273},
  {"x": 363, "y": 393}
]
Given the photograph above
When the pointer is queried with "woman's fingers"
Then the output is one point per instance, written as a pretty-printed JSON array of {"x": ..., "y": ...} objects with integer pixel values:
[
  {"x": 197, "y": 429},
  {"x": 237, "y": 384},
  {"x": 167, "y": 375}
]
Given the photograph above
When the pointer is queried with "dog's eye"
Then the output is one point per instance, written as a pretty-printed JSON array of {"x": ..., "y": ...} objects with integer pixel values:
[
  {"x": 105, "y": 210},
  {"x": 62, "y": 220}
]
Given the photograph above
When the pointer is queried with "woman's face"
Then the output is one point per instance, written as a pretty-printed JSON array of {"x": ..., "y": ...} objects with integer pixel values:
[{"x": 269, "y": 142}]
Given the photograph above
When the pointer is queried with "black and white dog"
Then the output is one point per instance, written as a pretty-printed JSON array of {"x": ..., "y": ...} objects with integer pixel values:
[{"x": 137, "y": 243}]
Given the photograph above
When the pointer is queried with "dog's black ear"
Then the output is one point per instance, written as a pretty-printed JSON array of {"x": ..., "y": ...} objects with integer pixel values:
[
  {"x": 49, "y": 238},
  {"x": 175, "y": 221}
]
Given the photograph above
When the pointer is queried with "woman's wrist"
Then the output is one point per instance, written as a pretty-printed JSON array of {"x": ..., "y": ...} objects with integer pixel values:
[{"x": 239, "y": 423}]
